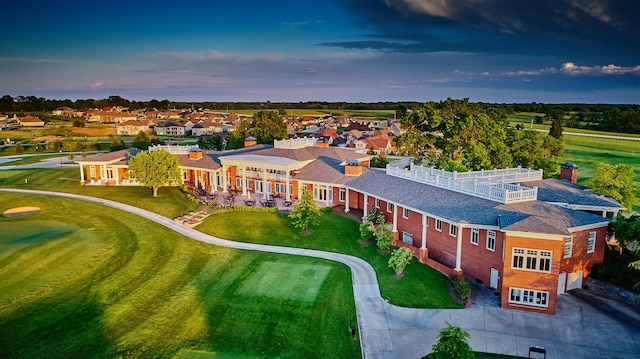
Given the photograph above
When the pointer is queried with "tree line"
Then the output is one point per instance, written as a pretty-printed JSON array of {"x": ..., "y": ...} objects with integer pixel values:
[{"x": 605, "y": 117}]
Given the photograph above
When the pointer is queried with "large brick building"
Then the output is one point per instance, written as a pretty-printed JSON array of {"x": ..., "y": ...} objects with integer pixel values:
[{"x": 531, "y": 239}]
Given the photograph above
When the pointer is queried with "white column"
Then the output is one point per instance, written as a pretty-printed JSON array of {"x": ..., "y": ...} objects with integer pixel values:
[
  {"x": 424, "y": 232},
  {"x": 211, "y": 182},
  {"x": 346, "y": 200},
  {"x": 264, "y": 182},
  {"x": 244, "y": 180},
  {"x": 224, "y": 179},
  {"x": 287, "y": 184},
  {"x": 366, "y": 199},
  {"x": 81, "y": 173},
  {"x": 104, "y": 173},
  {"x": 195, "y": 176},
  {"x": 328, "y": 193},
  {"x": 117, "y": 175},
  {"x": 459, "y": 249},
  {"x": 395, "y": 218}
]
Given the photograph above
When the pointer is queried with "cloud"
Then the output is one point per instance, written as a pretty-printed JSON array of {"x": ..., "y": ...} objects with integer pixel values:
[
  {"x": 569, "y": 68},
  {"x": 96, "y": 85},
  {"x": 32, "y": 61}
]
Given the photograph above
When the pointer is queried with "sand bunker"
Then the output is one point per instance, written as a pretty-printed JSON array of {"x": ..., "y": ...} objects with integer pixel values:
[{"x": 20, "y": 211}]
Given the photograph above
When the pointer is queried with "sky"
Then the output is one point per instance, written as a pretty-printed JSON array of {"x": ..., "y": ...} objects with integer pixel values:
[{"x": 499, "y": 51}]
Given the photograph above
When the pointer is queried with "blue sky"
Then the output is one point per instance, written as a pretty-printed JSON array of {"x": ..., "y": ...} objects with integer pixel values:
[{"x": 551, "y": 51}]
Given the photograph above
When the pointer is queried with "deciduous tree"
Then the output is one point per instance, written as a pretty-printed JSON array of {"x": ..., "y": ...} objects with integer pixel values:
[
  {"x": 155, "y": 169},
  {"x": 452, "y": 344},
  {"x": 306, "y": 212},
  {"x": 400, "y": 258},
  {"x": 615, "y": 181}
]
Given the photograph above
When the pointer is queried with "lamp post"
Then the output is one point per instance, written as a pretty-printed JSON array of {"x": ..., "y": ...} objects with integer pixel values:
[{"x": 60, "y": 158}]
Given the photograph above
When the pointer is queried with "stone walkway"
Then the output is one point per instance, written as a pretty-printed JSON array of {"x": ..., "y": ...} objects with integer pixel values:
[{"x": 586, "y": 326}]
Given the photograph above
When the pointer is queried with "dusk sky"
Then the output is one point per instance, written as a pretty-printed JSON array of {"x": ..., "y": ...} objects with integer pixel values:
[{"x": 551, "y": 51}]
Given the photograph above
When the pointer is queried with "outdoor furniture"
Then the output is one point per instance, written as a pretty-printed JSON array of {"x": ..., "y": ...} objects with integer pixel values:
[
  {"x": 287, "y": 203},
  {"x": 263, "y": 203},
  {"x": 537, "y": 349},
  {"x": 249, "y": 202}
]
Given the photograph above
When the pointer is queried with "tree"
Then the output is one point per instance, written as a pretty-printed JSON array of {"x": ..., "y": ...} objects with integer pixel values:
[
  {"x": 400, "y": 257},
  {"x": 556, "y": 129},
  {"x": 141, "y": 141},
  {"x": 265, "y": 126},
  {"x": 306, "y": 213},
  {"x": 615, "y": 181},
  {"x": 155, "y": 169},
  {"x": 19, "y": 147},
  {"x": 384, "y": 237},
  {"x": 452, "y": 344}
]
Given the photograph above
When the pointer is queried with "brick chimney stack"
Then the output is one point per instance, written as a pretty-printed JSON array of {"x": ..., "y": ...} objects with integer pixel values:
[{"x": 569, "y": 172}]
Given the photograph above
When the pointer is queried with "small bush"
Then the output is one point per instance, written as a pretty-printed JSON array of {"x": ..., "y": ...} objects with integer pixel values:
[{"x": 461, "y": 286}]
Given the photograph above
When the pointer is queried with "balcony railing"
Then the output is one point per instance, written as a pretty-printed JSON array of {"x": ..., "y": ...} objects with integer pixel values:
[{"x": 496, "y": 185}]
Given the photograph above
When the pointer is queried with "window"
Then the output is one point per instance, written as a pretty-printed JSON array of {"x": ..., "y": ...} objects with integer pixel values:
[
  {"x": 92, "y": 172},
  {"x": 453, "y": 230},
  {"x": 238, "y": 182},
  {"x": 377, "y": 203},
  {"x": 591, "y": 242},
  {"x": 531, "y": 259},
  {"x": 475, "y": 234},
  {"x": 249, "y": 184},
  {"x": 343, "y": 194},
  {"x": 491, "y": 240},
  {"x": 568, "y": 246},
  {"x": 405, "y": 213},
  {"x": 438, "y": 225},
  {"x": 407, "y": 238},
  {"x": 389, "y": 207},
  {"x": 528, "y": 297}
]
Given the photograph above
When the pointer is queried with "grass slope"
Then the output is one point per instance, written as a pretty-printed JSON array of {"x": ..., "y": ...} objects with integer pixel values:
[
  {"x": 170, "y": 202},
  {"x": 421, "y": 287},
  {"x": 87, "y": 281}
]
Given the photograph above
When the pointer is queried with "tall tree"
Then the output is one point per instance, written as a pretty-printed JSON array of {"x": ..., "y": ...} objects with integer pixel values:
[
  {"x": 141, "y": 141},
  {"x": 615, "y": 181},
  {"x": 306, "y": 212},
  {"x": 155, "y": 169}
]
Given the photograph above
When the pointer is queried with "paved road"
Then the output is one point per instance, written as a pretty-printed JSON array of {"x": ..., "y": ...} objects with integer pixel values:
[{"x": 585, "y": 326}]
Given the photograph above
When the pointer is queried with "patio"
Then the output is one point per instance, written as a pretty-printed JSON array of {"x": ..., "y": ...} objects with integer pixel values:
[{"x": 234, "y": 197}]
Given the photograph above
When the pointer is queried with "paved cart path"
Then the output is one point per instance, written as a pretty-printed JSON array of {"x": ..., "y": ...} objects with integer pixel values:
[{"x": 583, "y": 328}]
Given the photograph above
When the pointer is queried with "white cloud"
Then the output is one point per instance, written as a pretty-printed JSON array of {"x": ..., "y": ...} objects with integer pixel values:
[{"x": 570, "y": 68}]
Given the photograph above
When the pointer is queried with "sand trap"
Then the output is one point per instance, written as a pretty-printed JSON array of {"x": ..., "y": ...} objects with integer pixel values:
[{"x": 20, "y": 211}]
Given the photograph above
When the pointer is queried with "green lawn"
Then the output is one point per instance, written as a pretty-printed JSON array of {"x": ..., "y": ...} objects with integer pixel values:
[
  {"x": 87, "y": 281},
  {"x": 170, "y": 201},
  {"x": 30, "y": 160},
  {"x": 421, "y": 287},
  {"x": 587, "y": 152}
]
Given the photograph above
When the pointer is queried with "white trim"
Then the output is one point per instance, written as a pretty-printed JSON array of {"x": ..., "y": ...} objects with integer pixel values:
[
  {"x": 552, "y": 237},
  {"x": 589, "y": 226},
  {"x": 568, "y": 244},
  {"x": 495, "y": 239},
  {"x": 475, "y": 231},
  {"x": 592, "y": 242}
]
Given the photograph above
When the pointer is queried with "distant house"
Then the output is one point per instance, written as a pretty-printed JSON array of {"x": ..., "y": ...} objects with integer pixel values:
[
  {"x": 64, "y": 111},
  {"x": 376, "y": 144},
  {"x": 30, "y": 121},
  {"x": 132, "y": 127},
  {"x": 169, "y": 128},
  {"x": 205, "y": 128}
]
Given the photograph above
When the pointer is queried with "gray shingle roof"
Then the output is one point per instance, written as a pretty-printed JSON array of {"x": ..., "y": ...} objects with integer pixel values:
[
  {"x": 553, "y": 190},
  {"x": 533, "y": 216}
]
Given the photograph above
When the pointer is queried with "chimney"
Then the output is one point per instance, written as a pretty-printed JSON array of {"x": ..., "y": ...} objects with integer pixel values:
[
  {"x": 195, "y": 154},
  {"x": 322, "y": 143},
  {"x": 250, "y": 141},
  {"x": 353, "y": 168},
  {"x": 569, "y": 172}
]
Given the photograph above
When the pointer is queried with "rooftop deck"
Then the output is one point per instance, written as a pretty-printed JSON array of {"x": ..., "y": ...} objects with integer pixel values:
[{"x": 496, "y": 185}]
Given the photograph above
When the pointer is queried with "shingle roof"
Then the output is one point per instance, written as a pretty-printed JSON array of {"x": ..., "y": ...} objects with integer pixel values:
[
  {"x": 533, "y": 216},
  {"x": 553, "y": 190},
  {"x": 112, "y": 156}
]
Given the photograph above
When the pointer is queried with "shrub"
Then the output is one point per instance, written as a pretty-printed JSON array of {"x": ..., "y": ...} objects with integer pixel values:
[
  {"x": 384, "y": 237},
  {"x": 367, "y": 230},
  {"x": 461, "y": 286},
  {"x": 399, "y": 260}
]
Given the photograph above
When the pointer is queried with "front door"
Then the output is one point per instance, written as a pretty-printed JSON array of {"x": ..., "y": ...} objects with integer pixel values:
[
  {"x": 562, "y": 281},
  {"x": 493, "y": 283}
]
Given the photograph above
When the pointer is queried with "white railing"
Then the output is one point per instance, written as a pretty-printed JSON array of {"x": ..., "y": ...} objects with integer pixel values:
[
  {"x": 295, "y": 143},
  {"x": 174, "y": 149},
  {"x": 483, "y": 187},
  {"x": 506, "y": 175}
]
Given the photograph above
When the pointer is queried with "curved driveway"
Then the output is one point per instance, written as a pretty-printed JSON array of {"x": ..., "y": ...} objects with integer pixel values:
[{"x": 579, "y": 330}]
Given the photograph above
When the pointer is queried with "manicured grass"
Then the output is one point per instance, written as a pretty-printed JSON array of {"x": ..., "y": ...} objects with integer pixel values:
[
  {"x": 170, "y": 201},
  {"x": 29, "y": 160},
  {"x": 87, "y": 281},
  {"x": 587, "y": 152},
  {"x": 421, "y": 287}
]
